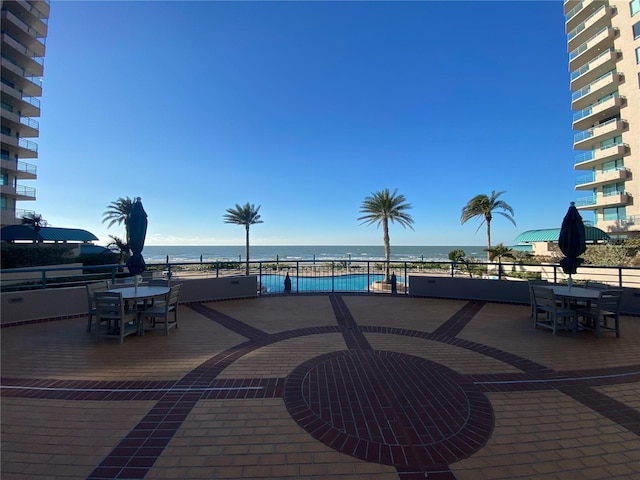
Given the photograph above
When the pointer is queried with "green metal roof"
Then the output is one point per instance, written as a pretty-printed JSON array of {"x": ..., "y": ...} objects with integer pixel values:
[
  {"x": 592, "y": 234},
  {"x": 14, "y": 233}
]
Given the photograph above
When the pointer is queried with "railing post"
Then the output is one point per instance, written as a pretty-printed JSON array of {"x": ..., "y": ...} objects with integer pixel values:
[
  {"x": 260, "y": 277},
  {"x": 333, "y": 275},
  {"x": 406, "y": 278},
  {"x": 44, "y": 279},
  {"x": 297, "y": 276},
  {"x": 368, "y": 276},
  {"x": 620, "y": 277}
]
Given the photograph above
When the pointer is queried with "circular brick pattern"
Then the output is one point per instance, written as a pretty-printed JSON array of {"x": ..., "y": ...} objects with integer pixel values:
[{"x": 389, "y": 408}]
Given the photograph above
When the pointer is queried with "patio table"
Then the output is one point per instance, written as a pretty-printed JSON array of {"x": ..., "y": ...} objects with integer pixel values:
[
  {"x": 575, "y": 293},
  {"x": 141, "y": 294}
]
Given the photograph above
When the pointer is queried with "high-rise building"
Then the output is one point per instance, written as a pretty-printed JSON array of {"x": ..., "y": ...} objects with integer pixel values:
[
  {"x": 23, "y": 32},
  {"x": 603, "y": 39}
]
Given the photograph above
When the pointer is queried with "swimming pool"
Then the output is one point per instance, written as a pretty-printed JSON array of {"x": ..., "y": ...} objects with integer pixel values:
[{"x": 338, "y": 283}]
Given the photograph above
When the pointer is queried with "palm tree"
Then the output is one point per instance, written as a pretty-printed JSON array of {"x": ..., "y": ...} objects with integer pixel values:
[
  {"x": 482, "y": 206},
  {"x": 119, "y": 212},
  {"x": 120, "y": 246},
  {"x": 246, "y": 215},
  {"x": 500, "y": 251},
  {"x": 382, "y": 207},
  {"x": 37, "y": 222}
]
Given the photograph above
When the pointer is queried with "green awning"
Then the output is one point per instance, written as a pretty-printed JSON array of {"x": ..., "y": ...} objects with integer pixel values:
[{"x": 593, "y": 235}]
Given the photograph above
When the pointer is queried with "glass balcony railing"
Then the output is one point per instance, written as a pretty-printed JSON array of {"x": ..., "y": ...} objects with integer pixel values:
[
  {"x": 27, "y": 168},
  {"x": 587, "y": 111},
  {"x": 585, "y": 201},
  {"x": 584, "y": 157},
  {"x": 25, "y": 191},
  {"x": 586, "y": 90},
  {"x": 582, "y": 26},
  {"x": 585, "y": 68},
  {"x": 584, "y": 46},
  {"x": 21, "y": 213},
  {"x": 589, "y": 178},
  {"x": 578, "y": 137},
  {"x": 28, "y": 144},
  {"x": 30, "y": 122},
  {"x": 572, "y": 13}
]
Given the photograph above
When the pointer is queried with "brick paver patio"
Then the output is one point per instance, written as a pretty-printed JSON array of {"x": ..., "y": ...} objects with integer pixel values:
[{"x": 323, "y": 386}]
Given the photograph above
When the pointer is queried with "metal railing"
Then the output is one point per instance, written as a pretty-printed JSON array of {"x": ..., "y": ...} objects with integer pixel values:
[{"x": 310, "y": 276}]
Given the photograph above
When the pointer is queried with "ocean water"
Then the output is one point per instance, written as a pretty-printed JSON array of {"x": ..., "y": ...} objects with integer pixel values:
[{"x": 214, "y": 253}]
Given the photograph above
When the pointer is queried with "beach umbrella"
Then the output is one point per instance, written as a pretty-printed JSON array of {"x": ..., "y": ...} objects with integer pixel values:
[
  {"x": 137, "y": 234},
  {"x": 572, "y": 241}
]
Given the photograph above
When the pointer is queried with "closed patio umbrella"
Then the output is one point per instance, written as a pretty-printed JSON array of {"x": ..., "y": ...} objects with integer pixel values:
[
  {"x": 137, "y": 234},
  {"x": 572, "y": 241}
]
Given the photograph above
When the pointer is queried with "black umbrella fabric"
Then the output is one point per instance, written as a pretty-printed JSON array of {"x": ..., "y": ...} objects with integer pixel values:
[
  {"x": 572, "y": 241},
  {"x": 137, "y": 234}
]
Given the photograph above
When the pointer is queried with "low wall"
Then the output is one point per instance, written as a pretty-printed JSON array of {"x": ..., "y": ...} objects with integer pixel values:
[
  {"x": 509, "y": 291},
  {"x": 65, "y": 302},
  {"x": 470, "y": 289},
  {"x": 203, "y": 289}
]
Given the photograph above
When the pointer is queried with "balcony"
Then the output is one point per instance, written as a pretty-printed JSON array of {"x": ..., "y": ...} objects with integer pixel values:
[
  {"x": 605, "y": 85},
  {"x": 587, "y": 160},
  {"x": 616, "y": 199},
  {"x": 22, "y": 54},
  {"x": 19, "y": 192},
  {"x": 28, "y": 105},
  {"x": 604, "y": 108},
  {"x": 20, "y": 169},
  {"x": 26, "y": 126},
  {"x": 578, "y": 12},
  {"x": 595, "y": 22},
  {"x": 602, "y": 40},
  {"x": 24, "y": 148},
  {"x": 587, "y": 73},
  {"x": 593, "y": 179},
  {"x": 586, "y": 139},
  {"x": 23, "y": 33},
  {"x": 34, "y": 16}
]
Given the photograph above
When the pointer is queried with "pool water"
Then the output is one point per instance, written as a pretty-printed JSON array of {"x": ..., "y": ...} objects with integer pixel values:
[{"x": 338, "y": 283}]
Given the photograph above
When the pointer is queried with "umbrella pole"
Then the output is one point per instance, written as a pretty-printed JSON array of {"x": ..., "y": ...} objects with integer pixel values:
[{"x": 570, "y": 281}]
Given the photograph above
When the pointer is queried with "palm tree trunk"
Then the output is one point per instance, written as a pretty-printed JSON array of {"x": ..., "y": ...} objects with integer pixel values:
[
  {"x": 247, "y": 251},
  {"x": 488, "y": 240},
  {"x": 387, "y": 247}
]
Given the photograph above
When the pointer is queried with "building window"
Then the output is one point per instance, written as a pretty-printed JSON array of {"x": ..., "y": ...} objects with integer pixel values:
[
  {"x": 3, "y": 202},
  {"x": 614, "y": 213},
  {"x": 611, "y": 142},
  {"x": 635, "y": 6},
  {"x": 638, "y": 55},
  {"x": 613, "y": 189},
  {"x": 4, "y": 154},
  {"x": 613, "y": 165},
  {"x": 4, "y": 179},
  {"x": 636, "y": 31}
]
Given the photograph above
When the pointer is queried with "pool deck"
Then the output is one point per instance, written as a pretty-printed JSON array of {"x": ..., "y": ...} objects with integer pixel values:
[{"x": 346, "y": 386}]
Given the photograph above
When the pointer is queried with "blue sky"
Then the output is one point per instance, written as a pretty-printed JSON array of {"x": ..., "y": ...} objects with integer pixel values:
[{"x": 305, "y": 108}]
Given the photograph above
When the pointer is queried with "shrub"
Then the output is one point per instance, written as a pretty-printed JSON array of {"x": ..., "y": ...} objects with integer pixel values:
[{"x": 34, "y": 255}]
